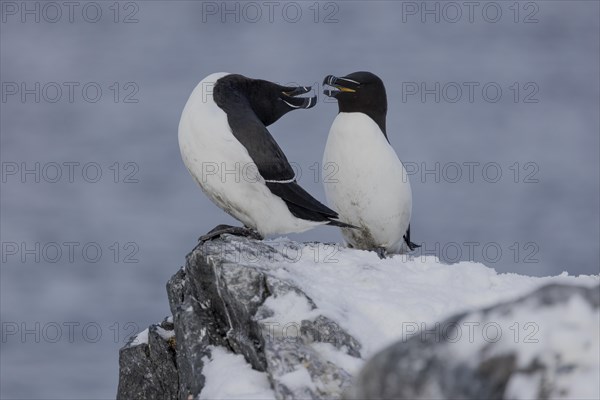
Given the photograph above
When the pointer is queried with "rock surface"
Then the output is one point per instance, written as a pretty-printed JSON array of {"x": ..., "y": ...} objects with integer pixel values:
[
  {"x": 147, "y": 365},
  {"x": 554, "y": 357},
  {"x": 305, "y": 318},
  {"x": 220, "y": 300}
]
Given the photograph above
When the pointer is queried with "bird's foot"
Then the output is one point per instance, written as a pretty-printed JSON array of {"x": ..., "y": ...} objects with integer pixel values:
[
  {"x": 381, "y": 252},
  {"x": 232, "y": 230},
  {"x": 411, "y": 246}
]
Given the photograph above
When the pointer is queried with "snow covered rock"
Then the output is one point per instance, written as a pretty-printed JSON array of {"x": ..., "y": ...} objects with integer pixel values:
[
  {"x": 287, "y": 320},
  {"x": 551, "y": 350},
  {"x": 227, "y": 297}
]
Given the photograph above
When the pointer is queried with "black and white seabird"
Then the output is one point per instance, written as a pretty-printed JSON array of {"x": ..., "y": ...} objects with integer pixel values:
[
  {"x": 228, "y": 150},
  {"x": 371, "y": 189}
]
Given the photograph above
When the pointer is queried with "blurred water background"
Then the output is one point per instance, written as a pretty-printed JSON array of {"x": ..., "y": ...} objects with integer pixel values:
[{"x": 64, "y": 316}]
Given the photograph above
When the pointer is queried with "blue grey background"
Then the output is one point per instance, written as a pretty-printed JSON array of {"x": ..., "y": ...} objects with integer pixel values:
[{"x": 172, "y": 46}]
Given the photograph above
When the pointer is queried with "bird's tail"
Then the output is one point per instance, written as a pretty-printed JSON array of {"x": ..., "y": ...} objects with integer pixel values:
[
  {"x": 302, "y": 205},
  {"x": 341, "y": 224},
  {"x": 412, "y": 246}
]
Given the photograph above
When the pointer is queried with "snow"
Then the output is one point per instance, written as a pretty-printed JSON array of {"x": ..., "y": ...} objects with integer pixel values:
[
  {"x": 141, "y": 338},
  {"x": 165, "y": 334},
  {"x": 298, "y": 379},
  {"x": 351, "y": 364},
  {"x": 379, "y": 302},
  {"x": 288, "y": 311},
  {"x": 523, "y": 386},
  {"x": 247, "y": 383}
]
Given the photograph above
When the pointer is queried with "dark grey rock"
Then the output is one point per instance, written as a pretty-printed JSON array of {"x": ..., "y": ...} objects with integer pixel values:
[
  {"x": 324, "y": 330},
  {"x": 432, "y": 367},
  {"x": 191, "y": 335},
  {"x": 149, "y": 370}
]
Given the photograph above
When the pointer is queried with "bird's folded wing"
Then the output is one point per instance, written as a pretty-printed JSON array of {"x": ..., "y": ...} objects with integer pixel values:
[
  {"x": 274, "y": 167},
  {"x": 262, "y": 148},
  {"x": 301, "y": 203}
]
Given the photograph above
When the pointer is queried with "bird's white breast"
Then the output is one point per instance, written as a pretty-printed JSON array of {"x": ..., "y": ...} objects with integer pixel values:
[
  {"x": 222, "y": 167},
  {"x": 367, "y": 184}
]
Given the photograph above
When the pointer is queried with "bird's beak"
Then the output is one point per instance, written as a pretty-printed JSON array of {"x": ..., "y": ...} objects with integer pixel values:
[
  {"x": 341, "y": 85},
  {"x": 288, "y": 95}
]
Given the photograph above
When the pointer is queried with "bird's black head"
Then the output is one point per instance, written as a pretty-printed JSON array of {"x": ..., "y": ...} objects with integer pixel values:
[
  {"x": 362, "y": 92},
  {"x": 268, "y": 100}
]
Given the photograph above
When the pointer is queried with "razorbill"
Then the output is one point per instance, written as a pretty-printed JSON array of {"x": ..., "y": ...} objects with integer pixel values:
[
  {"x": 228, "y": 150},
  {"x": 370, "y": 189}
]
